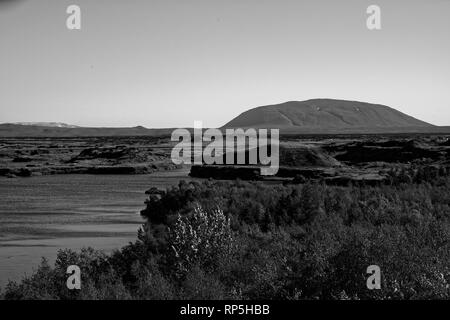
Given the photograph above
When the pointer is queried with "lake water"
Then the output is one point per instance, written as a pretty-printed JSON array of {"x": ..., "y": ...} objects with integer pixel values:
[{"x": 40, "y": 215}]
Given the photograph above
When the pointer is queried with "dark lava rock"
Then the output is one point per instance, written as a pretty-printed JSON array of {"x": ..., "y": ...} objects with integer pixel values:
[
  {"x": 23, "y": 172},
  {"x": 225, "y": 172},
  {"x": 306, "y": 156},
  {"x": 306, "y": 173},
  {"x": 299, "y": 179},
  {"x": 407, "y": 152},
  {"x": 22, "y": 159},
  {"x": 5, "y": 172},
  {"x": 155, "y": 190},
  {"x": 104, "y": 153},
  {"x": 117, "y": 170},
  {"x": 365, "y": 179}
]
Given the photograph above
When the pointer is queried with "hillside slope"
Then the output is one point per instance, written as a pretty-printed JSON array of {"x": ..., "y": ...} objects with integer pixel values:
[{"x": 326, "y": 114}]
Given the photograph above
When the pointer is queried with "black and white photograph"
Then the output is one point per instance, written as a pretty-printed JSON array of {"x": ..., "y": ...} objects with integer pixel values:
[{"x": 240, "y": 152}]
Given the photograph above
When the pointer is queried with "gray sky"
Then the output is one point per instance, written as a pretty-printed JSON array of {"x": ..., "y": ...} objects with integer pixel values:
[{"x": 167, "y": 63}]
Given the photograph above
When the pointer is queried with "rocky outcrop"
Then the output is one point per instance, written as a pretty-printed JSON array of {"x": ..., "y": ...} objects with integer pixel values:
[{"x": 130, "y": 155}]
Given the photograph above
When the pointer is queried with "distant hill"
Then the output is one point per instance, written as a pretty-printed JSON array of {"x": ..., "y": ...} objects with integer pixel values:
[
  {"x": 46, "y": 124},
  {"x": 318, "y": 116},
  {"x": 327, "y": 115},
  {"x": 33, "y": 130}
]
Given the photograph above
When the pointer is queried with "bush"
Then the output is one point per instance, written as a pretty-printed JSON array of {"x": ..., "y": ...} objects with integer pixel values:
[{"x": 249, "y": 240}]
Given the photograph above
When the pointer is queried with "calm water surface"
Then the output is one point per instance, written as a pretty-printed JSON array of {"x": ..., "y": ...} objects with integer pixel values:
[{"x": 39, "y": 215}]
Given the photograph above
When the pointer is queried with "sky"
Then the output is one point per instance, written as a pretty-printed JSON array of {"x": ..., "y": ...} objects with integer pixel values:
[{"x": 166, "y": 63}]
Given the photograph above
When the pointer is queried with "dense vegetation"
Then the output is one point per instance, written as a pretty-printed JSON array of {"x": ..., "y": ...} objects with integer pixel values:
[{"x": 250, "y": 240}]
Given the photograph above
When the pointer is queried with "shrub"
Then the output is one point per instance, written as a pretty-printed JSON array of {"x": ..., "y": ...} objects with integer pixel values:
[
  {"x": 200, "y": 239},
  {"x": 247, "y": 240}
]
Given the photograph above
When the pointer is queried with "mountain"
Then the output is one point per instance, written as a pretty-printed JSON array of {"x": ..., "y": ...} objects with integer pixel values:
[
  {"x": 318, "y": 116},
  {"x": 46, "y": 124},
  {"x": 328, "y": 115}
]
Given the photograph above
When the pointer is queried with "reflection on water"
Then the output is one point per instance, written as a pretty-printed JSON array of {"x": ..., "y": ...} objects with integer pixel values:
[{"x": 39, "y": 215}]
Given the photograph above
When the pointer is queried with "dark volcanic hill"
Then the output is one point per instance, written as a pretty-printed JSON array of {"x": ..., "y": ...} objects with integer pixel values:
[{"x": 323, "y": 115}]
